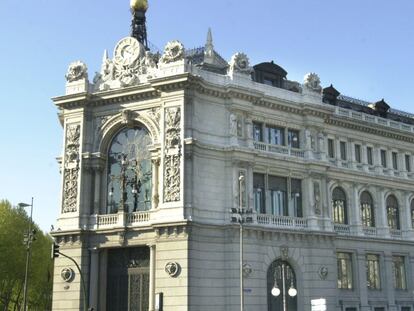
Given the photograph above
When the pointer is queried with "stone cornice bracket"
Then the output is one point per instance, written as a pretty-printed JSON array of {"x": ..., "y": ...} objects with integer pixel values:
[{"x": 127, "y": 117}]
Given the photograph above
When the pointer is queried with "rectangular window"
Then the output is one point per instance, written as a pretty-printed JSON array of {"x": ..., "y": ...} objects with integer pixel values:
[
  {"x": 408, "y": 163},
  {"x": 331, "y": 148},
  {"x": 358, "y": 153},
  {"x": 278, "y": 191},
  {"x": 296, "y": 195},
  {"x": 259, "y": 193},
  {"x": 398, "y": 267},
  {"x": 395, "y": 161},
  {"x": 275, "y": 135},
  {"x": 343, "y": 150},
  {"x": 384, "y": 158},
  {"x": 293, "y": 138},
  {"x": 405, "y": 308},
  {"x": 373, "y": 272},
  {"x": 379, "y": 309},
  {"x": 351, "y": 309},
  {"x": 369, "y": 156},
  {"x": 257, "y": 131},
  {"x": 344, "y": 264}
]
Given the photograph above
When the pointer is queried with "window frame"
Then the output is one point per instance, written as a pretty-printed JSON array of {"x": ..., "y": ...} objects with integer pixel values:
[
  {"x": 358, "y": 154},
  {"x": 331, "y": 148},
  {"x": 373, "y": 261},
  {"x": 395, "y": 160},
  {"x": 393, "y": 223},
  {"x": 366, "y": 202},
  {"x": 383, "y": 156},
  {"x": 402, "y": 283},
  {"x": 343, "y": 151},
  {"x": 339, "y": 212},
  {"x": 370, "y": 157},
  {"x": 345, "y": 278}
]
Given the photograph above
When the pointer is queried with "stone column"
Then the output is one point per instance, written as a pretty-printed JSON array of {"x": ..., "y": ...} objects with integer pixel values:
[
  {"x": 362, "y": 284},
  {"x": 94, "y": 279},
  {"x": 322, "y": 146},
  {"x": 249, "y": 132},
  {"x": 155, "y": 183},
  {"x": 103, "y": 279},
  {"x": 356, "y": 223},
  {"x": 97, "y": 191},
  {"x": 377, "y": 159},
  {"x": 406, "y": 225},
  {"x": 381, "y": 215},
  {"x": 364, "y": 157},
  {"x": 389, "y": 286},
  {"x": 401, "y": 164},
  {"x": 152, "y": 278}
]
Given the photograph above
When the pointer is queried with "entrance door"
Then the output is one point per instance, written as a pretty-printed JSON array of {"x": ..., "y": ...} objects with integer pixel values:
[
  {"x": 281, "y": 287},
  {"x": 128, "y": 279}
]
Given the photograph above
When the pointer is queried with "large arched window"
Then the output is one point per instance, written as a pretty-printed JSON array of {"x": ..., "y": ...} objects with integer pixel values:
[
  {"x": 393, "y": 215},
  {"x": 367, "y": 210},
  {"x": 281, "y": 287},
  {"x": 129, "y": 178},
  {"x": 339, "y": 206}
]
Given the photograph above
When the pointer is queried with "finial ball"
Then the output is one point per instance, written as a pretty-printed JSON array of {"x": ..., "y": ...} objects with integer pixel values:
[{"x": 139, "y": 5}]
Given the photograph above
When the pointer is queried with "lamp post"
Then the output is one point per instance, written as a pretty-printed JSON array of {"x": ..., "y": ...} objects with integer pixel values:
[
  {"x": 241, "y": 215},
  {"x": 284, "y": 273},
  {"x": 28, "y": 241}
]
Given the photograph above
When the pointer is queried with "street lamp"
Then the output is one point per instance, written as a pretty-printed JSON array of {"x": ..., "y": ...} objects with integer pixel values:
[
  {"x": 284, "y": 272},
  {"x": 241, "y": 215},
  {"x": 29, "y": 238}
]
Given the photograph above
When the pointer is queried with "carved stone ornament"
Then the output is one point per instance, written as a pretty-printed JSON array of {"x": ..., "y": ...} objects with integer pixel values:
[
  {"x": 284, "y": 252},
  {"x": 173, "y": 52},
  {"x": 67, "y": 275},
  {"x": 130, "y": 65},
  {"x": 71, "y": 168},
  {"x": 240, "y": 63},
  {"x": 172, "y": 155},
  {"x": 323, "y": 272},
  {"x": 76, "y": 71},
  {"x": 317, "y": 198},
  {"x": 312, "y": 82},
  {"x": 173, "y": 269},
  {"x": 247, "y": 270}
]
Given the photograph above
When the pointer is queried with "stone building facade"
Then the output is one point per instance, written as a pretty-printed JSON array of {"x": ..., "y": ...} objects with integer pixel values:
[{"x": 159, "y": 148}]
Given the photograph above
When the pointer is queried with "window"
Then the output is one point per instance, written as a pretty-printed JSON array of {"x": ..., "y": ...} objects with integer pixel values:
[
  {"x": 331, "y": 148},
  {"x": 405, "y": 308},
  {"x": 408, "y": 163},
  {"x": 339, "y": 206},
  {"x": 278, "y": 192},
  {"x": 343, "y": 150},
  {"x": 395, "y": 161},
  {"x": 257, "y": 131},
  {"x": 129, "y": 178},
  {"x": 293, "y": 138},
  {"x": 379, "y": 309},
  {"x": 351, "y": 309},
  {"x": 367, "y": 210},
  {"x": 393, "y": 216},
  {"x": 383, "y": 158},
  {"x": 358, "y": 153},
  {"x": 344, "y": 264},
  {"x": 398, "y": 267},
  {"x": 373, "y": 272},
  {"x": 259, "y": 193},
  {"x": 369, "y": 156},
  {"x": 275, "y": 135},
  {"x": 296, "y": 197},
  {"x": 412, "y": 214}
]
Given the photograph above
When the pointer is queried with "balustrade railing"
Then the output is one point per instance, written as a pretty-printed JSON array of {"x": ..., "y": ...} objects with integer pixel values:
[
  {"x": 342, "y": 229},
  {"x": 107, "y": 220},
  {"x": 282, "y": 221},
  {"x": 395, "y": 233},
  {"x": 370, "y": 231},
  {"x": 138, "y": 217},
  {"x": 279, "y": 149}
]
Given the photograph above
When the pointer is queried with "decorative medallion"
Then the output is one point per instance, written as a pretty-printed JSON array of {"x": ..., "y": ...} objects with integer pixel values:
[
  {"x": 173, "y": 269},
  {"x": 173, "y": 52},
  {"x": 67, "y": 275},
  {"x": 71, "y": 168},
  {"x": 76, "y": 71},
  {"x": 312, "y": 82},
  {"x": 247, "y": 270},
  {"x": 240, "y": 63},
  {"x": 323, "y": 272},
  {"x": 172, "y": 156}
]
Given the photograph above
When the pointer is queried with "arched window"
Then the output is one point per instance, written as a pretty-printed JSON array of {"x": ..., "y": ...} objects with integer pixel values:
[
  {"x": 412, "y": 213},
  {"x": 129, "y": 176},
  {"x": 393, "y": 215},
  {"x": 339, "y": 206},
  {"x": 367, "y": 210},
  {"x": 281, "y": 287}
]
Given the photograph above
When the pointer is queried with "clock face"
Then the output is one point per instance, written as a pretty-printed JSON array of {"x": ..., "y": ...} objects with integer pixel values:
[{"x": 127, "y": 51}]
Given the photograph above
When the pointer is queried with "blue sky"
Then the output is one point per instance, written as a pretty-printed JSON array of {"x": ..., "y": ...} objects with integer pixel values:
[{"x": 365, "y": 48}]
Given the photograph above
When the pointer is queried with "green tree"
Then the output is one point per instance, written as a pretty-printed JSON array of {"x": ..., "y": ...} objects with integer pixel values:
[{"x": 14, "y": 222}]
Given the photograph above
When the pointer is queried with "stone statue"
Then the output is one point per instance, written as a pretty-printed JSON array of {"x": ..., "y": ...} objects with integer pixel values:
[
  {"x": 173, "y": 51},
  {"x": 76, "y": 71},
  {"x": 240, "y": 63},
  {"x": 312, "y": 82}
]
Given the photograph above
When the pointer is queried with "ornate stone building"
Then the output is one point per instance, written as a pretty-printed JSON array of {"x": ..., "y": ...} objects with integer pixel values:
[{"x": 158, "y": 149}]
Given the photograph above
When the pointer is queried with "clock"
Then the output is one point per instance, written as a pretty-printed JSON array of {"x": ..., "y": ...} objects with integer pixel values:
[{"x": 127, "y": 51}]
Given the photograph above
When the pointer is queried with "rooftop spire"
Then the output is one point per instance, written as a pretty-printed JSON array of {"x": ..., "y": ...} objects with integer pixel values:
[
  {"x": 138, "y": 25},
  {"x": 209, "y": 48}
]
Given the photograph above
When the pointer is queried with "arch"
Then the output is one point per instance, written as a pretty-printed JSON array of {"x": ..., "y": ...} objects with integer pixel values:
[
  {"x": 339, "y": 206},
  {"x": 393, "y": 212},
  {"x": 281, "y": 286},
  {"x": 367, "y": 209}
]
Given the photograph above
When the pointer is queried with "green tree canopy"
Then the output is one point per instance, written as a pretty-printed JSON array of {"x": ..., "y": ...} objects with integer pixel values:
[{"x": 14, "y": 223}]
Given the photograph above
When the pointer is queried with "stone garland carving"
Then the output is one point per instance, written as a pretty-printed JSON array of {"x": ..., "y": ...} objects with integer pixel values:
[
  {"x": 240, "y": 63},
  {"x": 76, "y": 71},
  {"x": 155, "y": 115},
  {"x": 172, "y": 155},
  {"x": 312, "y": 82},
  {"x": 173, "y": 51},
  {"x": 71, "y": 169},
  {"x": 317, "y": 198}
]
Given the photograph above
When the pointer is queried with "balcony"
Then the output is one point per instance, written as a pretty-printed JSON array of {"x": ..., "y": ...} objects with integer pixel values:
[
  {"x": 120, "y": 219},
  {"x": 342, "y": 229},
  {"x": 370, "y": 231},
  {"x": 279, "y": 149},
  {"x": 282, "y": 221},
  {"x": 396, "y": 234}
]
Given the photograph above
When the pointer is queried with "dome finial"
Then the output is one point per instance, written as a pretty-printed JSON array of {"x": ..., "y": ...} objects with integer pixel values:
[{"x": 139, "y": 5}]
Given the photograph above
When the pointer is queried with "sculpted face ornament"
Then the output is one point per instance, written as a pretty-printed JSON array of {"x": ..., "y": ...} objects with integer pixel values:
[
  {"x": 173, "y": 269},
  {"x": 67, "y": 275},
  {"x": 323, "y": 272}
]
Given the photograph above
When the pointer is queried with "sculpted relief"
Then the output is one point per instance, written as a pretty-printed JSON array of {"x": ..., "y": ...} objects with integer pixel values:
[{"x": 71, "y": 169}]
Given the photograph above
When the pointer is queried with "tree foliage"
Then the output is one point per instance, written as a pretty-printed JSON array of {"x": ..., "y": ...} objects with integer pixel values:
[{"x": 14, "y": 223}]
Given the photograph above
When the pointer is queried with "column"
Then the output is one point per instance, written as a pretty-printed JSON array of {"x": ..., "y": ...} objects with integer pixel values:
[
  {"x": 377, "y": 159},
  {"x": 381, "y": 216},
  {"x": 362, "y": 274},
  {"x": 356, "y": 224},
  {"x": 406, "y": 225},
  {"x": 94, "y": 279},
  {"x": 97, "y": 191},
  {"x": 389, "y": 286},
  {"x": 351, "y": 154},
  {"x": 337, "y": 145},
  {"x": 364, "y": 157},
  {"x": 322, "y": 143},
  {"x": 152, "y": 278},
  {"x": 155, "y": 183},
  {"x": 401, "y": 164}
]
